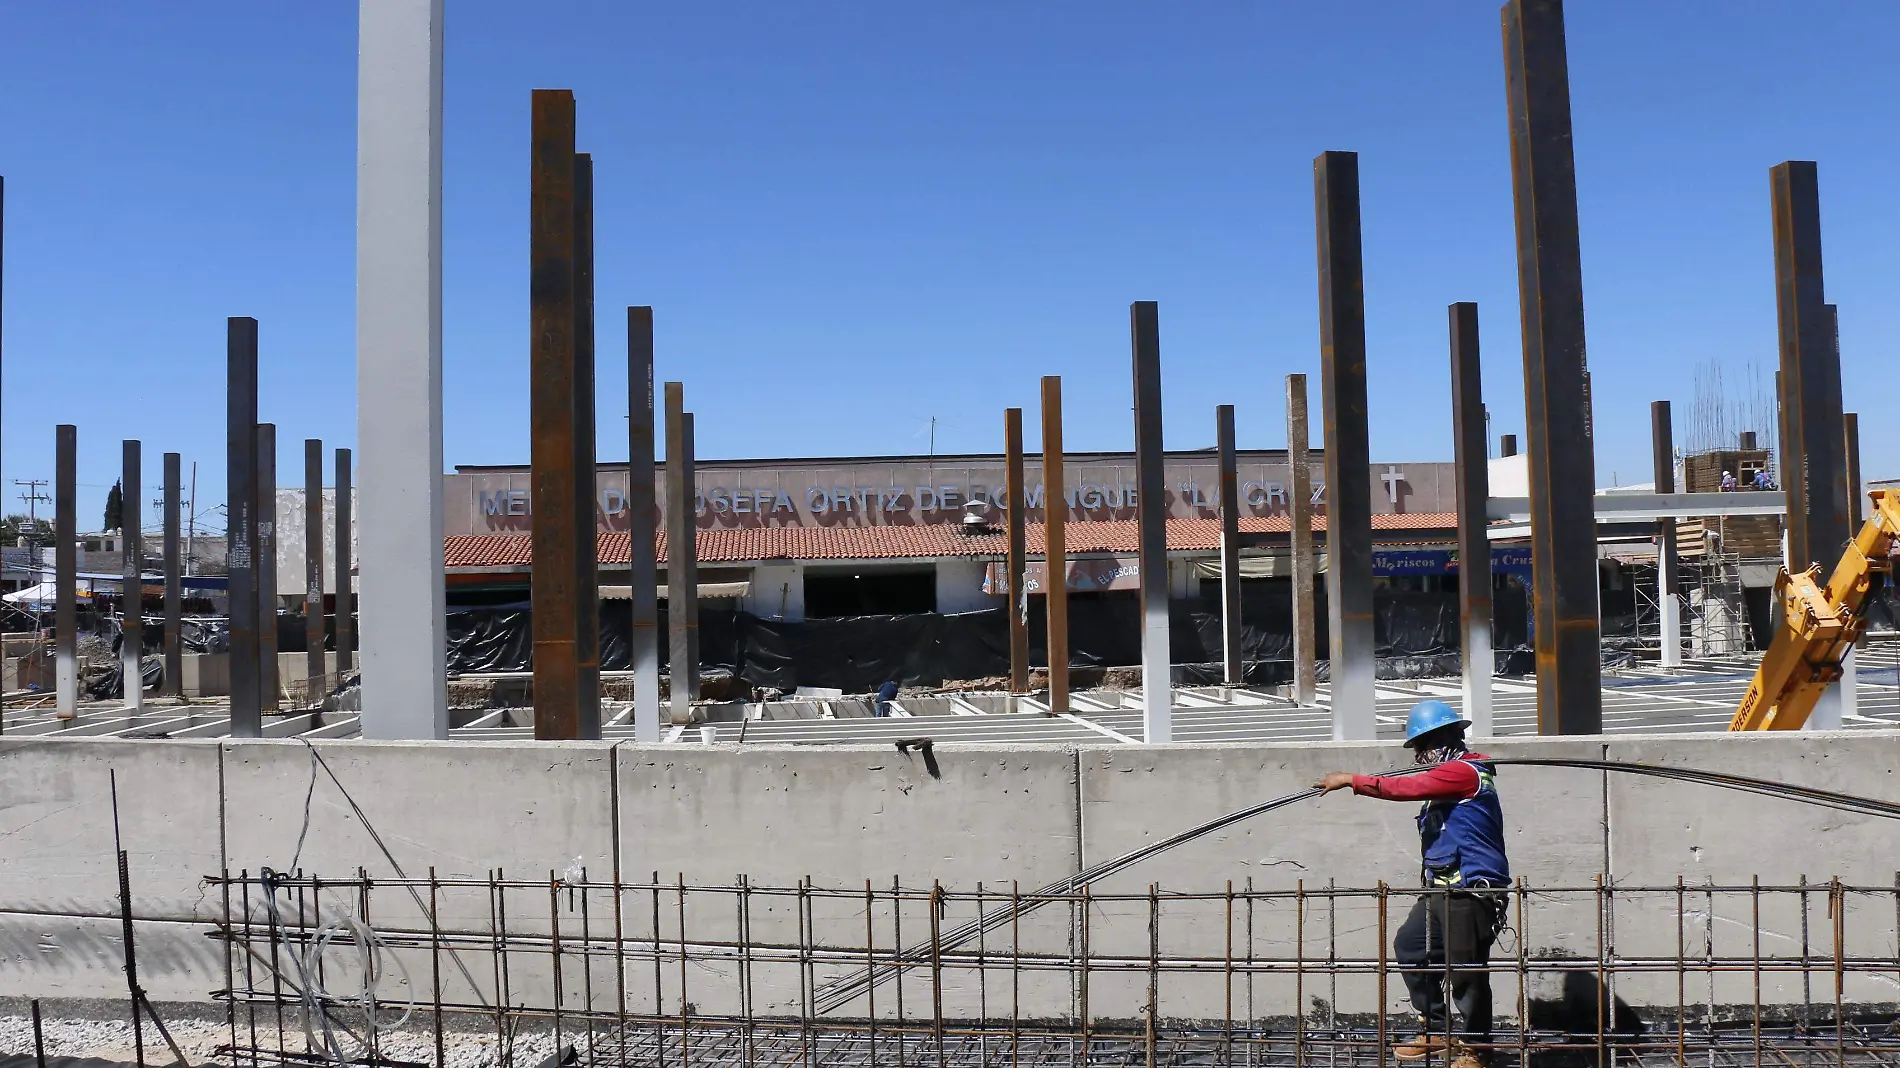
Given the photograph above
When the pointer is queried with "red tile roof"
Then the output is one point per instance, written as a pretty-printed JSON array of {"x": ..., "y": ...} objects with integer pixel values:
[{"x": 752, "y": 544}]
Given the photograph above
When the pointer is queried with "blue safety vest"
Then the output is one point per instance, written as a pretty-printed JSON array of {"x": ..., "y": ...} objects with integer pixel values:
[{"x": 1463, "y": 841}]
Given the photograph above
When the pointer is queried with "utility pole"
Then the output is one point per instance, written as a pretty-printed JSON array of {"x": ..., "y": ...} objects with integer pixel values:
[{"x": 33, "y": 497}]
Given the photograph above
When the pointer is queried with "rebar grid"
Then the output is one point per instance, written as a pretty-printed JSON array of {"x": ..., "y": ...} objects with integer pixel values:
[{"x": 677, "y": 973}]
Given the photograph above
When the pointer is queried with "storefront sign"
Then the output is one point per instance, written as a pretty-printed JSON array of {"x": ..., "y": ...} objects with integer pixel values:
[{"x": 1089, "y": 573}]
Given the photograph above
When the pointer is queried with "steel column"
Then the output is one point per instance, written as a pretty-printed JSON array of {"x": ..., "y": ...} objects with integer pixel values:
[
  {"x": 681, "y": 550},
  {"x": 1471, "y": 456},
  {"x": 1816, "y": 464},
  {"x": 689, "y": 559},
  {"x": 1018, "y": 551},
  {"x": 1233, "y": 657},
  {"x": 174, "y": 683},
  {"x": 399, "y": 367},
  {"x": 132, "y": 585},
  {"x": 1556, "y": 375},
  {"x": 1856, "y": 500},
  {"x": 641, "y": 513},
  {"x": 586, "y": 480},
  {"x": 1849, "y": 686},
  {"x": 241, "y": 554},
  {"x": 1507, "y": 445},
  {"x": 1669, "y": 602},
  {"x": 1300, "y": 543},
  {"x": 268, "y": 682},
  {"x": 1342, "y": 339},
  {"x": 553, "y": 389},
  {"x": 1151, "y": 523},
  {"x": 66, "y": 570},
  {"x": 344, "y": 539},
  {"x": 1055, "y": 548},
  {"x": 316, "y": 677}
]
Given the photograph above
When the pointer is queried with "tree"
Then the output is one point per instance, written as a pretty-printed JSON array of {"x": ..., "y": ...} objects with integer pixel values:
[{"x": 115, "y": 507}]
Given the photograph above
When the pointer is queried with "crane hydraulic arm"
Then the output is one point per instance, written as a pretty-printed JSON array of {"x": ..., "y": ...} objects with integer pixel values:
[{"x": 1819, "y": 625}]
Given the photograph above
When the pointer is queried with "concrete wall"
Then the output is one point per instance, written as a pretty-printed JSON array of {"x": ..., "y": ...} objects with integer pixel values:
[
  {"x": 842, "y": 815},
  {"x": 960, "y": 586},
  {"x": 778, "y": 591}
]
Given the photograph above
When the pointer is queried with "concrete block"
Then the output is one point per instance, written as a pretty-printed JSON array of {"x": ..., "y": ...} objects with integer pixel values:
[
  {"x": 206, "y": 674},
  {"x": 52, "y": 956},
  {"x": 464, "y": 809},
  {"x": 56, "y": 826}
]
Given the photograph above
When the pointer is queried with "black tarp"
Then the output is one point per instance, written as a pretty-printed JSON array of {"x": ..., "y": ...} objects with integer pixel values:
[{"x": 1416, "y": 634}]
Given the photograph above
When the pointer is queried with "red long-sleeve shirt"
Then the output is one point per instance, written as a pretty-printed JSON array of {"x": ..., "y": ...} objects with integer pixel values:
[{"x": 1454, "y": 780}]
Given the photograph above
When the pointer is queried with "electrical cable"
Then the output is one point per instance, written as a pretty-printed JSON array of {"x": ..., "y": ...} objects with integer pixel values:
[{"x": 837, "y": 994}]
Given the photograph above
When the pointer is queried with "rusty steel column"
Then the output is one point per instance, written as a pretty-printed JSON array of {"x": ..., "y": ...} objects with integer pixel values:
[
  {"x": 1055, "y": 581},
  {"x": 1018, "y": 551},
  {"x": 132, "y": 584},
  {"x": 1856, "y": 500},
  {"x": 66, "y": 572},
  {"x": 1662, "y": 438},
  {"x": 1471, "y": 455},
  {"x": 641, "y": 512},
  {"x": 267, "y": 672},
  {"x": 1810, "y": 374},
  {"x": 1556, "y": 374},
  {"x": 681, "y": 550},
  {"x": 1342, "y": 341},
  {"x": 1507, "y": 445},
  {"x": 1151, "y": 524},
  {"x": 174, "y": 584},
  {"x": 586, "y": 470},
  {"x": 557, "y": 511},
  {"x": 1849, "y": 686},
  {"x": 316, "y": 674},
  {"x": 1233, "y": 657},
  {"x": 345, "y": 562},
  {"x": 689, "y": 556},
  {"x": 1300, "y": 543},
  {"x": 241, "y": 524}
]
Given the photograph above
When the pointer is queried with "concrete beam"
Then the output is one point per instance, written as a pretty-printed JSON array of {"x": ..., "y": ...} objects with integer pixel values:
[
  {"x": 1055, "y": 510},
  {"x": 132, "y": 585},
  {"x": 1556, "y": 374},
  {"x": 641, "y": 516},
  {"x": 1668, "y": 600},
  {"x": 1642, "y": 507},
  {"x": 1342, "y": 334},
  {"x": 241, "y": 551},
  {"x": 1300, "y": 537},
  {"x": 399, "y": 366},
  {"x": 1472, "y": 460},
  {"x": 1151, "y": 518},
  {"x": 1233, "y": 666},
  {"x": 1018, "y": 554}
]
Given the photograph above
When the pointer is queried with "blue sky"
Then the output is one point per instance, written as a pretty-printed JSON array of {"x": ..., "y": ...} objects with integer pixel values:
[{"x": 853, "y": 217}]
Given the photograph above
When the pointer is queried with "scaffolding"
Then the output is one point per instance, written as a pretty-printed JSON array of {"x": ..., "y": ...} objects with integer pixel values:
[{"x": 656, "y": 972}]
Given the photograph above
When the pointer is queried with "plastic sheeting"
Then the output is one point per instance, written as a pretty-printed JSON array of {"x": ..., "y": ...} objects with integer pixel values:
[{"x": 1416, "y": 634}]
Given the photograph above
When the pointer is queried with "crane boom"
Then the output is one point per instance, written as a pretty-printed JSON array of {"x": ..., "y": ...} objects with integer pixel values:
[{"x": 1819, "y": 625}]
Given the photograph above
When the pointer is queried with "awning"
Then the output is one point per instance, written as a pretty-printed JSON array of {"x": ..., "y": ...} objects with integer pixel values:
[{"x": 707, "y": 590}]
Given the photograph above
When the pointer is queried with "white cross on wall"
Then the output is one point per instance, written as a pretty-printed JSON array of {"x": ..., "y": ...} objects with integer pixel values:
[{"x": 1392, "y": 477}]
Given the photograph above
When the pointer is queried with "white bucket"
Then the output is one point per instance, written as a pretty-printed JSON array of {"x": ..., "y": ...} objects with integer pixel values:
[{"x": 708, "y": 733}]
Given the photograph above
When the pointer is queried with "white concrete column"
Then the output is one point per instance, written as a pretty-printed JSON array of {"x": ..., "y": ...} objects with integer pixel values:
[
  {"x": 1476, "y": 684},
  {"x": 1670, "y": 605},
  {"x": 1837, "y": 702},
  {"x": 399, "y": 367}
]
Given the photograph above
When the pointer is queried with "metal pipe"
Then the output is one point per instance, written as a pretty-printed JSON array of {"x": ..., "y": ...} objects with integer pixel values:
[
  {"x": 1233, "y": 666},
  {"x": 241, "y": 524},
  {"x": 1018, "y": 554},
  {"x": 1556, "y": 373},
  {"x": 174, "y": 683},
  {"x": 316, "y": 677},
  {"x": 1151, "y": 523},
  {"x": 552, "y": 395},
  {"x": 1300, "y": 543},
  {"x": 1055, "y": 556},
  {"x": 1474, "y": 488},
  {"x": 642, "y": 513},
  {"x": 66, "y": 570},
  {"x": 269, "y": 684},
  {"x": 1342, "y": 335}
]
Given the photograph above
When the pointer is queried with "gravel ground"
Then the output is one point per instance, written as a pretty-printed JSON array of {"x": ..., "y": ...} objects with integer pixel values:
[{"x": 112, "y": 1040}]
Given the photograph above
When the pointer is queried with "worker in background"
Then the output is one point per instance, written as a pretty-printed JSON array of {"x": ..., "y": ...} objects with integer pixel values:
[
  {"x": 1728, "y": 482},
  {"x": 1452, "y": 926},
  {"x": 885, "y": 695}
]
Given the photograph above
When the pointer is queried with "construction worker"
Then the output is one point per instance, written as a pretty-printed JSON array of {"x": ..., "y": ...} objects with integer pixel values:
[{"x": 1461, "y": 831}]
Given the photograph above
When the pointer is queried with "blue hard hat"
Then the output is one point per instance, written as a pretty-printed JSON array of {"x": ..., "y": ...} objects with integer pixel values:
[{"x": 1428, "y": 716}]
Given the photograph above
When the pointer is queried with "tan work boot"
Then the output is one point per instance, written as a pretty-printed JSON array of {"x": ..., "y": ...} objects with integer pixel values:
[
  {"x": 1421, "y": 1047},
  {"x": 1469, "y": 1059}
]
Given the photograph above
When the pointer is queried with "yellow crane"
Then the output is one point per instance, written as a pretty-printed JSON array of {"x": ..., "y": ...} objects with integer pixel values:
[{"x": 1819, "y": 625}]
